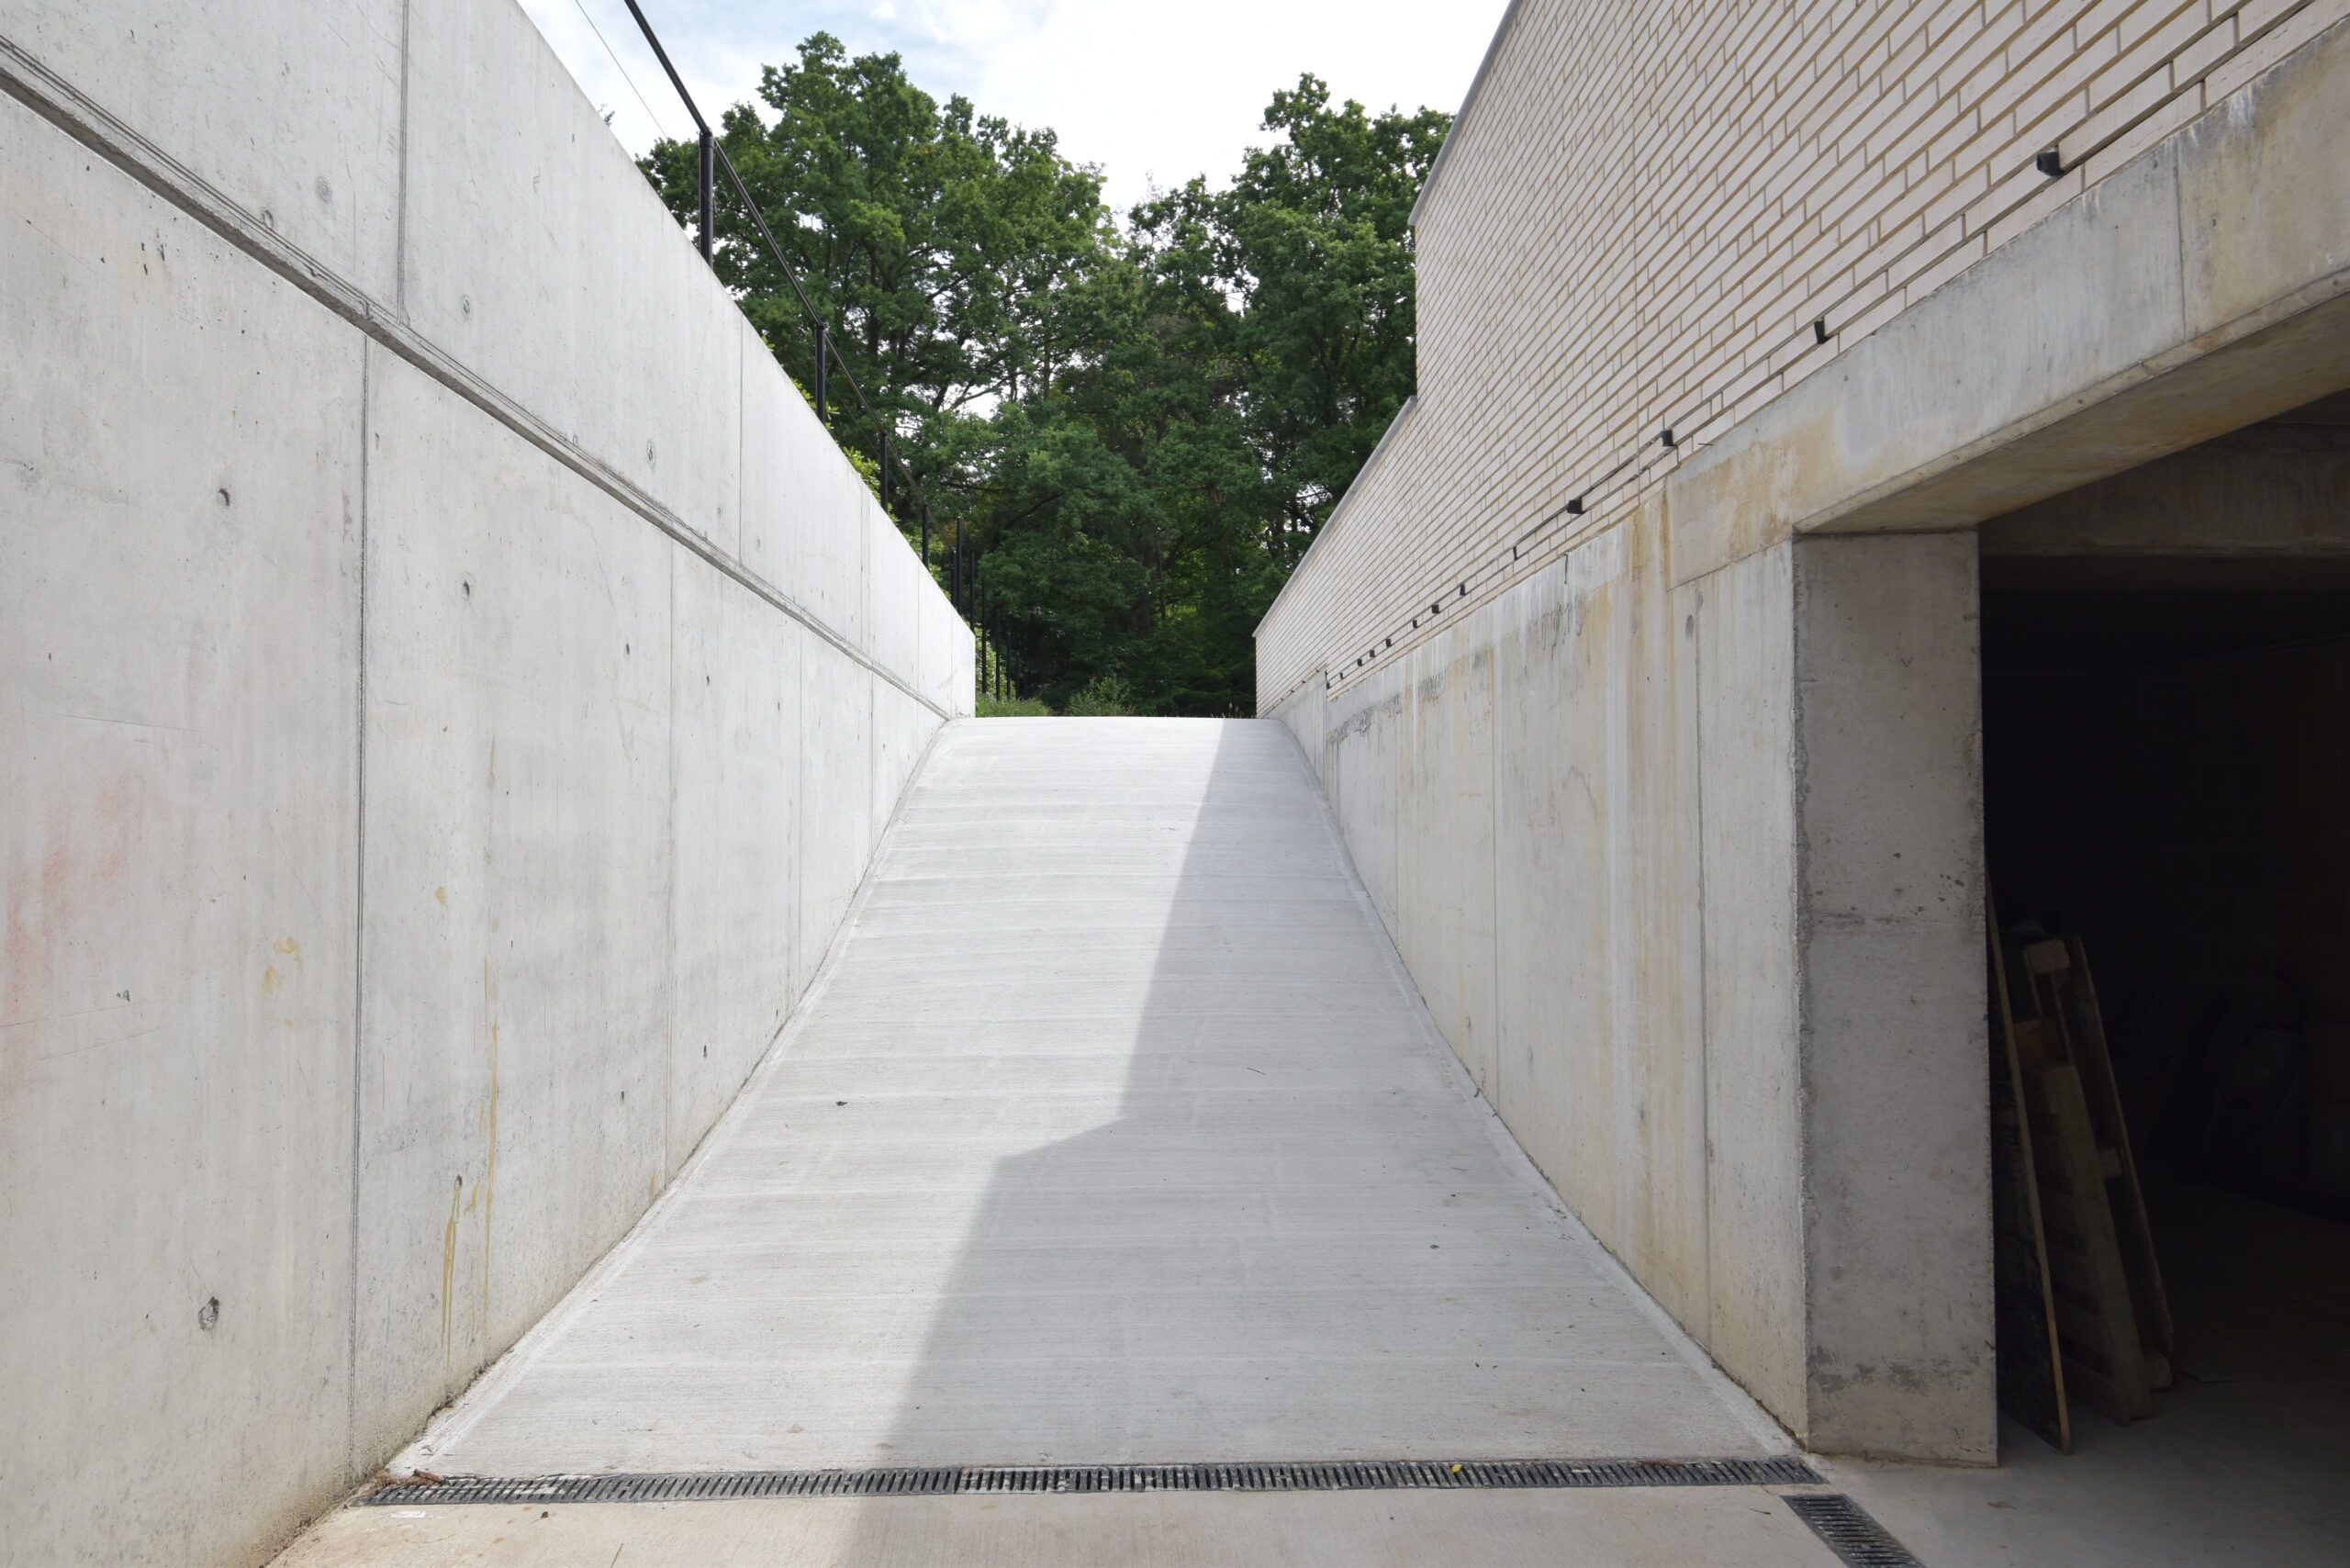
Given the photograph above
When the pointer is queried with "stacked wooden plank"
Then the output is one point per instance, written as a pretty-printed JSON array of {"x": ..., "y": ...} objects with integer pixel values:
[{"x": 2072, "y": 1222}]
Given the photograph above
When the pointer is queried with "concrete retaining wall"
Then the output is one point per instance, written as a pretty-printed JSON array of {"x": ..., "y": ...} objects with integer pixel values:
[{"x": 449, "y": 688}]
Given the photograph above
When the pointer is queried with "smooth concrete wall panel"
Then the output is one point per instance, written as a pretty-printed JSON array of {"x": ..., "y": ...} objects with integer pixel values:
[
  {"x": 1596, "y": 940},
  {"x": 1895, "y": 1123},
  {"x": 1366, "y": 761},
  {"x": 1305, "y": 714},
  {"x": 179, "y": 699},
  {"x": 515, "y": 1037},
  {"x": 301, "y": 130},
  {"x": 1652, "y": 1129},
  {"x": 897, "y": 745},
  {"x": 1745, "y": 808},
  {"x": 734, "y": 825},
  {"x": 802, "y": 502},
  {"x": 778, "y": 445},
  {"x": 1571, "y": 1063},
  {"x": 892, "y": 592},
  {"x": 523, "y": 210},
  {"x": 836, "y": 789},
  {"x": 1446, "y": 844},
  {"x": 946, "y": 649},
  {"x": 1557, "y": 1070}
]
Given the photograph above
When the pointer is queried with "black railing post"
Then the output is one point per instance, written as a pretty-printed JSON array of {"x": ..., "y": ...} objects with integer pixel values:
[
  {"x": 714, "y": 162},
  {"x": 823, "y": 415},
  {"x": 709, "y": 188}
]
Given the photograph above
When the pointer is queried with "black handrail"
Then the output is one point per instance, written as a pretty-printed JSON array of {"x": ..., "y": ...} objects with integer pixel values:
[{"x": 962, "y": 590}]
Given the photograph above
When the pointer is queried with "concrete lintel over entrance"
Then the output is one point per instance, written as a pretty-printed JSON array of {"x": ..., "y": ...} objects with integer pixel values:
[{"x": 2202, "y": 287}]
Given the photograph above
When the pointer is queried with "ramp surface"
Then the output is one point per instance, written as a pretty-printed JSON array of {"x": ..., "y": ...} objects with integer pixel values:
[{"x": 1114, "y": 1132}]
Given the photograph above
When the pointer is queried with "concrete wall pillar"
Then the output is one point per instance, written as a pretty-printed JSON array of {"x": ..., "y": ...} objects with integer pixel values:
[{"x": 1898, "y": 1354}]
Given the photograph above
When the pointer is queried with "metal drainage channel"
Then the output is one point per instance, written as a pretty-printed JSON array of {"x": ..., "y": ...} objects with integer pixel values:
[
  {"x": 1850, "y": 1532},
  {"x": 1472, "y": 1474}
]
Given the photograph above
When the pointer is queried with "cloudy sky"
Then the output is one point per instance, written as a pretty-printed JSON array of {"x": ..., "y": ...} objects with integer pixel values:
[{"x": 1148, "y": 89}]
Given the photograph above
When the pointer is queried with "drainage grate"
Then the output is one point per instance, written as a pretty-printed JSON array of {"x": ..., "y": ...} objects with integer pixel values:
[
  {"x": 1848, "y": 1531},
  {"x": 1351, "y": 1475}
]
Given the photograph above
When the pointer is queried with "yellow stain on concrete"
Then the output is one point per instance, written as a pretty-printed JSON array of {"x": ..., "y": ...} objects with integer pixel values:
[
  {"x": 489, "y": 1179},
  {"x": 272, "y": 976},
  {"x": 449, "y": 1269},
  {"x": 443, "y": 895}
]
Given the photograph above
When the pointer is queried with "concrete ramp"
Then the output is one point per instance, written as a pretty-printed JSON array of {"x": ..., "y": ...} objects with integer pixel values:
[{"x": 1115, "y": 1133}]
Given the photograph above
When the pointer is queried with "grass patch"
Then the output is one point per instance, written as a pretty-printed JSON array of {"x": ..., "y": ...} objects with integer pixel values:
[{"x": 1012, "y": 708}]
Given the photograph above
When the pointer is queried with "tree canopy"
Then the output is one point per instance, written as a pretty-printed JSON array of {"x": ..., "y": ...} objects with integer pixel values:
[{"x": 1136, "y": 427}]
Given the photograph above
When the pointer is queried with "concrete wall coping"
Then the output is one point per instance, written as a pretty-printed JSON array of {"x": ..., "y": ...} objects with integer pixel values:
[
  {"x": 1337, "y": 513},
  {"x": 1468, "y": 100}
]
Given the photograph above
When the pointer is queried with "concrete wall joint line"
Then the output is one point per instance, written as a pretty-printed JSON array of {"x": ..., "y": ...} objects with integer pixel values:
[
  {"x": 669, "y": 957},
  {"x": 1799, "y": 928},
  {"x": 1704, "y": 997},
  {"x": 400, "y": 227},
  {"x": 26, "y": 78},
  {"x": 358, "y": 946}
]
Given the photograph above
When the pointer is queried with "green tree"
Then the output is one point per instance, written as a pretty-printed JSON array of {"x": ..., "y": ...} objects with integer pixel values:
[
  {"x": 941, "y": 242},
  {"x": 1314, "y": 238},
  {"x": 1139, "y": 431}
]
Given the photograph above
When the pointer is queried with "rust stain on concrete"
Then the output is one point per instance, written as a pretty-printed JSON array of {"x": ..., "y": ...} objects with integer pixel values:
[
  {"x": 449, "y": 1269},
  {"x": 55, "y": 881},
  {"x": 489, "y": 1179}
]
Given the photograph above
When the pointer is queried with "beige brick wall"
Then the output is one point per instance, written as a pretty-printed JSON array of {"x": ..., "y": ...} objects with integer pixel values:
[{"x": 1646, "y": 209}]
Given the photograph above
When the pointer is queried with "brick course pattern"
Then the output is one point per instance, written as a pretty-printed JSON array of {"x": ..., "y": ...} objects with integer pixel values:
[{"x": 1654, "y": 219}]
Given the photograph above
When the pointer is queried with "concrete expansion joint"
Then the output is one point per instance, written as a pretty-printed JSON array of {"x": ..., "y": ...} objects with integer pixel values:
[{"x": 26, "y": 78}]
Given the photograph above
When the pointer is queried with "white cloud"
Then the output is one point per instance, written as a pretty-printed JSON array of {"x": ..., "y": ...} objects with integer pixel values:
[{"x": 1150, "y": 90}]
